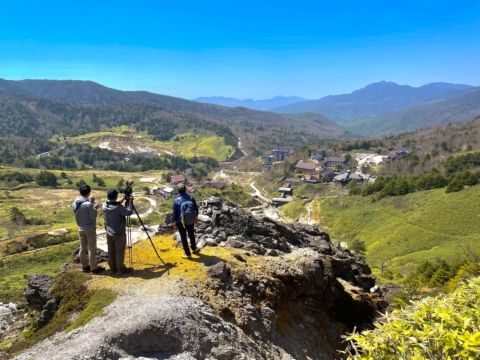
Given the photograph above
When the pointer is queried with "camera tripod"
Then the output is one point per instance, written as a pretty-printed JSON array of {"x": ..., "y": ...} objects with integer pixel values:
[{"x": 129, "y": 236}]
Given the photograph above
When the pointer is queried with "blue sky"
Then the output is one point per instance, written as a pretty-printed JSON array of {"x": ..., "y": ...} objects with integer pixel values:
[{"x": 248, "y": 49}]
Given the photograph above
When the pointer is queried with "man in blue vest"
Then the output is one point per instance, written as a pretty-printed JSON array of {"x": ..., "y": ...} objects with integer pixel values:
[{"x": 185, "y": 215}]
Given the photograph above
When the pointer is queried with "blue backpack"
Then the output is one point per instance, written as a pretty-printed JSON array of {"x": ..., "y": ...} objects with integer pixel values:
[{"x": 187, "y": 214}]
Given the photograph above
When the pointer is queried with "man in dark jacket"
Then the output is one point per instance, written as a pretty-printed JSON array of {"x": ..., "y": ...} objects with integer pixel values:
[
  {"x": 115, "y": 225},
  {"x": 177, "y": 216},
  {"x": 86, "y": 218}
]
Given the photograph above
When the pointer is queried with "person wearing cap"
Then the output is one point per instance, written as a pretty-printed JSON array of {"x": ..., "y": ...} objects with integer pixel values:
[
  {"x": 115, "y": 226},
  {"x": 183, "y": 230},
  {"x": 86, "y": 217}
]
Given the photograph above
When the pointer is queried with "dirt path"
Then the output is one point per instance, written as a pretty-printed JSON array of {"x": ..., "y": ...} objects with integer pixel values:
[
  {"x": 257, "y": 193},
  {"x": 153, "y": 206}
]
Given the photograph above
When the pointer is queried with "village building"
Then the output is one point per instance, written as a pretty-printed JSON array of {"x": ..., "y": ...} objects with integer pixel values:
[
  {"x": 293, "y": 181},
  {"x": 326, "y": 175},
  {"x": 285, "y": 191},
  {"x": 345, "y": 177},
  {"x": 317, "y": 158},
  {"x": 165, "y": 192},
  {"x": 280, "y": 153},
  {"x": 177, "y": 179},
  {"x": 219, "y": 185},
  {"x": 306, "y": 168},
  {"x": 320, "y": 152},
  {"x": 281, "y": 201},
  {"x": 332, "y": 161},
  {"x": 404, "y": 150}
]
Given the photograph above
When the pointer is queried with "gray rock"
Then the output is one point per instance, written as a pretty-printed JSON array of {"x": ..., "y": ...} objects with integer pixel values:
[
  {"x": 225, "y": 353},
  {"x": 102, "y": 256},
  {"x": 201, "y": 244},
  {"x": 272, "y": 252},
  {"x": 204, "y": 218},
  {"x": 38, "y": 291},
  {"x": 218, "y": 271},
  {"x": 210, "y": 242},
  {"x": 40, "y": 297}
]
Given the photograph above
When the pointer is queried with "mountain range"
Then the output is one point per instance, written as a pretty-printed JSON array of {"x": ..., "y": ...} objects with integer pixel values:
[
  {"x": 40, "y": 108},
  {"x": 89, "y": 92},
  {"x": 375, "y": 99},
  {"x": 264, "y": 105},
  {"x": 436, "y": 112}
]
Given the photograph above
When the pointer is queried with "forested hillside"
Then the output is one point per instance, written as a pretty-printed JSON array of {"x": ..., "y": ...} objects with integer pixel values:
[{"x": 89, "y": 92}]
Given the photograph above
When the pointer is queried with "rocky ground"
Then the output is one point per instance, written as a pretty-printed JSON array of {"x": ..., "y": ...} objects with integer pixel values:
[{"x": 274, "y": 291}]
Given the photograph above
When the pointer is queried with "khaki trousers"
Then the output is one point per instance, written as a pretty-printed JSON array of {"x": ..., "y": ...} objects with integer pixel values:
[
  {"x": 116, "y": 251},
  {"x": 88, "y": 240}
]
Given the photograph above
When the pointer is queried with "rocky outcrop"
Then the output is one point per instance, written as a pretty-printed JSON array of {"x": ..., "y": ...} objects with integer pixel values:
[
  {"x": 285, "y": 292},
  {"x": 39, "y": 296},
  {"x": 157, "y": 327},
  {"x": 12, "y": 321}
]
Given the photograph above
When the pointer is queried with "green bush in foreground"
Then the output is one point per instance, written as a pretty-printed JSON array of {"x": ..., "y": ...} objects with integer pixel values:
[{"x": 444, "y": 327}]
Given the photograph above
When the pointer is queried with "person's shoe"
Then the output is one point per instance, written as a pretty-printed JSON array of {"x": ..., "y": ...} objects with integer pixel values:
[
  {"x": 112, "y": 271},
  {"x": 124, "y": 271},
  {"x": 185, "y": 256},
  {"x": 86, "y": 269},
  {"x": 99, "y": 269},
  {"x": 196, "y": 250}
]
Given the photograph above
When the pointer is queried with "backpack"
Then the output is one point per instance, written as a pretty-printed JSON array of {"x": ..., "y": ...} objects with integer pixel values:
[{"x": 187, "y": 213}]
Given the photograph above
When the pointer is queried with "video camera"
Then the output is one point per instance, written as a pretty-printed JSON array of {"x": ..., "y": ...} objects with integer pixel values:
[{"x": 128, "y": 191}]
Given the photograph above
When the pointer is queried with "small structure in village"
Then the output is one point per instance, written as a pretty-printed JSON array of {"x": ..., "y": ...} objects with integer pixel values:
[
  {"x": 285, "y": 191},
  {"x": 306, "y": 168},
  {"x": 281, "y": 201},
  {"x": 333, "y": 161},
  {"x": 177, "y": 179}
]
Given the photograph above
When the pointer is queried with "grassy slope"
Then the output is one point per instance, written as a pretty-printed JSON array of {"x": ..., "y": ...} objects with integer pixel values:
[
  {"x": 295, "y": 209},
  {"x": 205, "y": 144},
  {"x": 404, "y": 231},
  {"x": 15, "y": 269}
]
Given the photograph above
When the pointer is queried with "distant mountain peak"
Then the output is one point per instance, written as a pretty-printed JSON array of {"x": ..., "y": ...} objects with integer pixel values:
[
  {"x": 444, "y": 85},
  {"x": 386, "y": 83},
  {"x": 264, "y": 105}
]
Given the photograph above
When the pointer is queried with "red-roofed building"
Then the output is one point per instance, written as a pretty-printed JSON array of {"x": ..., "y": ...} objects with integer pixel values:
[
  {"x": 219, "y": 185},
  {"x": 177, "y": 179}
]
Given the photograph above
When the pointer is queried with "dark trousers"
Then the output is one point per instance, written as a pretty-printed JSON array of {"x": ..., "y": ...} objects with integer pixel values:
[
  {"x": 116, "y": 251},
  {"x": 183, "y": 235}
]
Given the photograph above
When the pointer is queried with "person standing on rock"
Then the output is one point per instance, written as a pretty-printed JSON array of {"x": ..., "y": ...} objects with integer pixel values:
[
  {"x": 115, "y": 226},
  {"x": 86, "y": 217},
  {"x": 185, "y": 215}
]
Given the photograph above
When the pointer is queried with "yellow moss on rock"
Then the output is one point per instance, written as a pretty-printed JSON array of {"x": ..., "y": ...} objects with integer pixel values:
[{"x": 147, "y": 266}]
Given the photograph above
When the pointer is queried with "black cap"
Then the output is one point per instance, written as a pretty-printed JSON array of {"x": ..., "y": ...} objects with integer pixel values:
[
  {"x": 181, "y": 188},
  {"x": 112, "y": 194}
]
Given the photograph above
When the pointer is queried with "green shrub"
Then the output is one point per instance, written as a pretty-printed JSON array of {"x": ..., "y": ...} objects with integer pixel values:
[
  {"x": 443, "y": 327},
  {"x": 15, "y": 247},
  {"x": 70, "y": 288}
]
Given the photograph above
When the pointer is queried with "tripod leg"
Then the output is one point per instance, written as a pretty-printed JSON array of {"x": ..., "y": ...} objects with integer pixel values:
[
  {"x": 146, "y": 232},
  {"x": 129, "y": 243}
]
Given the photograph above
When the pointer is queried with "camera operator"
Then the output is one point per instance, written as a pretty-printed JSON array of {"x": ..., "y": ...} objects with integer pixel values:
[
  {"x": 85, "y": 211},
  {"x": 115, "y": 225}
]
